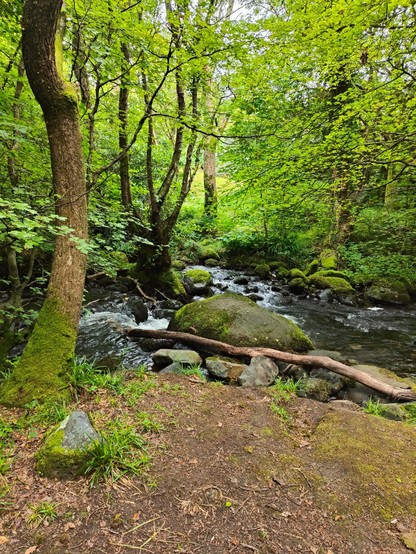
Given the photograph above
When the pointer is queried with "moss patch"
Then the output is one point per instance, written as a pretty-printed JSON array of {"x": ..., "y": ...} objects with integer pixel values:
[
  {"x": 375, "y": 456},
  {"x": 199, "y": 276},
  {"x": 44, "y": 368},
  {"x": 335, "y": 284},
  {"x": 167, "y": 281},
  {"x": 328, "y": 259}
]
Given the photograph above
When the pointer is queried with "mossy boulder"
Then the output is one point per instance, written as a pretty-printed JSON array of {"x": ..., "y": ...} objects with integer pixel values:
[
  {"x": 340, "y": 287},
  {"x": 239, "y": 321},
  {"x": 296, "y": 273},
  {"x": 331, "y": 273},
  {"x": 312, "y": 268},
  {"x": 388, "y": 293},
  {"x": 209, "y": 250},
  {"x": 67, "y": 449},
  {"x": 328, "y": 259},
  {"x": 262, "y": 270},
  {"x": 298, "y": 286},
  {"x": 199, "y": 276},
  {"x": 277, "y": 266}
]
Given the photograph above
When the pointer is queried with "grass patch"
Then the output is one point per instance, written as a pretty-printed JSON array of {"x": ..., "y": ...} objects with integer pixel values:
[
  {"x": 44, "y": 512},
  {"x": 373, "y": 407},
  {"x": 120, "y": 451}
]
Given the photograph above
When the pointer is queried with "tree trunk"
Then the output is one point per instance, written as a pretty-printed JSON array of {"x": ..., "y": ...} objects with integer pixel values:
[
  {"x": 400, "y": 394},
  {"x": 42, "y": 373},
  {"x": 123, "y": 106}
]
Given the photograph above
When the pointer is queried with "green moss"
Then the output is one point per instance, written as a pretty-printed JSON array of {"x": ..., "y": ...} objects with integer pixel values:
[
  {"x": 312, "y": 268},
  {"x": 44, "y": 368},
  {"x": 52, "y": 460},
  {"x": 335, "y": 284},
  {"x": 168, "y": 281},
  {"x": 376, "y": 457},
  {"x": 298, "y": 286},
  {"x": 328, "y": 259},
  {"x": 390, "y": 293},
  {"x": 297, "y": 274},
  {"x": 331, "y": 273},
  {"x": 277, "y": 266},
  {"x": 262, "y": 270},
  {"x": 199, "y": 276}
]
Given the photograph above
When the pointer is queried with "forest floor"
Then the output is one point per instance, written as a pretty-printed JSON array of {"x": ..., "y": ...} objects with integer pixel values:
[{"x": 229, "y": 473}]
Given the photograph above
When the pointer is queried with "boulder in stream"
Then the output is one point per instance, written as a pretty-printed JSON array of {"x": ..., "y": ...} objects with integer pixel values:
[{"x": 237, "y": 320}]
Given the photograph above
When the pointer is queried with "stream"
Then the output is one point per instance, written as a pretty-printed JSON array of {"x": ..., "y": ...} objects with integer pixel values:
[{"x": 378, "y": 335}]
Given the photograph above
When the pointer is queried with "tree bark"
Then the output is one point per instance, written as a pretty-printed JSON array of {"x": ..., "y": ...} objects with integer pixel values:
[
  {"x": 42, "y": 373},
  {"x": 399, "y": 394}
]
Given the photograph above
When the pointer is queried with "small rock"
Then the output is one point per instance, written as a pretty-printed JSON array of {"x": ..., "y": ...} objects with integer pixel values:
[
  {"x": 335, "y": 381},
  {"x": 176, "y": 368},
  {"x": 166, "y": 356},
  {"x": 138, "y": 308},
  {"x": 66, "y": 451},
  {"x": 318, "y": 389},
  {"x": 224, "y": 368},
  {"x": 396, "y": 412},
  {"x": 261, "y": 372},
  {"x": 241, "y": 281},
  {"x": 255, "y": 297},
  {"x": 345, "y": 405}
]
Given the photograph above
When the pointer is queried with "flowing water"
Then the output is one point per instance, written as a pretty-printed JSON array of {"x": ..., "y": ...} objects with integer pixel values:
[{"x": 378, "y": 335}]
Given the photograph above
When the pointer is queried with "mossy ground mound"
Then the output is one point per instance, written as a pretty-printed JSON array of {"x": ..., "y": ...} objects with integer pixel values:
[
  {"x": 239, "y": 321},
  {"x": 376, "y": 456}
]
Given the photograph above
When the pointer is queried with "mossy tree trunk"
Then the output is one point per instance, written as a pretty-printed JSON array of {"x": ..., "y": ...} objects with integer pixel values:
[{"x": 42, "y": 372}]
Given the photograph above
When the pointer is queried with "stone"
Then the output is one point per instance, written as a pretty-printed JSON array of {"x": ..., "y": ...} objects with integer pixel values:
[
  {"x": 298, "y": 286},
  {"x": 176, "y": 368},
  {"x": 312, "y": 268},
  {"x": 67, "y": 449},
  {"x": 388, "y": 293},
  {"x": 138, "y": 308},
  {"x": 224, "y": 368},
  {"x": 345, "y": 405},
  {"x": 261, "y": 372},
  {"x": 198, "y": 281},
  {"x": 241, "y": 281},
  {"x": 239, "y": 321},
  {"x": 255, "y": 297},
  {"x": 328, "y": 259},
  {"x": 336, "y": 382},
  {"x": 166, "y": 356},
  {"x": 318, "y": 389}
]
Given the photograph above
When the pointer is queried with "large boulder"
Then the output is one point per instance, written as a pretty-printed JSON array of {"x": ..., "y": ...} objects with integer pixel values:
[
  {"x": 239, "y": 321},
  {"x": 388, "y": 293}
]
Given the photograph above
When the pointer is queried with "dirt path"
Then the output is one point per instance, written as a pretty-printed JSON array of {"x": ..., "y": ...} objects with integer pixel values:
[{"x": 228, "y": 475}]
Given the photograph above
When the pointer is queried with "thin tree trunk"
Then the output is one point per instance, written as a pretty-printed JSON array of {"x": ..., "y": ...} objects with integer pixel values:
[
  {"x": 43, "y": 371},
  {"x": 123, "y": 107},
  {"x": 400, "y": 394}
]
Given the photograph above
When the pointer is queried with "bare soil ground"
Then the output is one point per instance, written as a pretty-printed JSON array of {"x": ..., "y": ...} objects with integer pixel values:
[{"x": 227, "y": 475}]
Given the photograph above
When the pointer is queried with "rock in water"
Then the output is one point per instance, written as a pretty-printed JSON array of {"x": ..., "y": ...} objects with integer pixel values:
[
  {"x": 239, "y": 321},
  {"x": 67, "y": 448}
]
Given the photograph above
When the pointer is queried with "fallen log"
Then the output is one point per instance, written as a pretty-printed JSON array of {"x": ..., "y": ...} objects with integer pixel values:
[{"x": 396, "y": 393}]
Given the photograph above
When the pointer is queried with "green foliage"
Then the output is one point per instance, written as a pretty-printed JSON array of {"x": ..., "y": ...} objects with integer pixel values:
[
  {"x": 148, "y": 423},
  {"x": 87, "y": 376},
  {"x": 193, "y": 370},
  {"x": 373, "y": 407},
  {"x": 44, "y": 512},
  {"x": 121, "y": 451},
  {"x": 285, "y": 388}
]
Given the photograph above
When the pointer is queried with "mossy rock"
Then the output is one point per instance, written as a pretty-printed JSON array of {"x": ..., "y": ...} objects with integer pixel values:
[
  {"x": 277, "y": 266},
  {"x": 206, "y": 251},
  {"x": 388, "y": 293},
  {"x": 178, "y": 264},
  {"x": 328, "y": 259},
  {"x": 376, "y": 458},
  {"x": 167, "y": 281},
  {"x": 298, "y": 286},
  {"x": 199, "y": 276},
  {"x": 312, "y": 268},
  {"x": 296, "y": 273},
  {"x": 262, "y": 270},
  {"x": 331, "y": 273},
  {"x": 67, "y": 449},
  {"x": 337, "y": 285},
  {"x": 239, "y": 321},
  {"x": 211, "y": 262}
]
